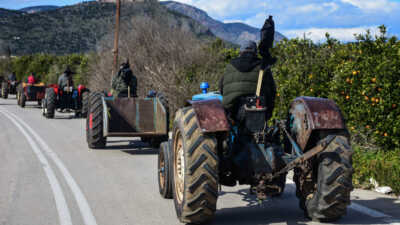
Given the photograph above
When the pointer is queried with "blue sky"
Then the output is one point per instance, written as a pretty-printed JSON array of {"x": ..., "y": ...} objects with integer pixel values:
[{"x": 294, "y": 18}]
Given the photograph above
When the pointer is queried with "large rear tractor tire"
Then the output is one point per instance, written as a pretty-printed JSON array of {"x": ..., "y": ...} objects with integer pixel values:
[
  {"x": 94, "y": 122},
  {"x": 4, "y": 90},
  {"x": 85, "y": 104},
  {"x": 326, "y": 194},
  {"x": 164, "y": 170},
  {"x": 50, "y": 103},
  {"x": 195, "y": 169}
]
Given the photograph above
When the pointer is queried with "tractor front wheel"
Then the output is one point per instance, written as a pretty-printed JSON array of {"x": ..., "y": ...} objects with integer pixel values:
[
  {"x": 164, "y": 168},
  {"x": 195, "y": 169},
  {"x": 4, "y": 90},
  {"x": 325, "y": 192},
  {"x": 94, "y": 122},
  {"x": 22, "y": 100}
]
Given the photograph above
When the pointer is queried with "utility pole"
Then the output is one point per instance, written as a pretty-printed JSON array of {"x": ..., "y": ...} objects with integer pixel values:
[{"x": 116, "y": 37}]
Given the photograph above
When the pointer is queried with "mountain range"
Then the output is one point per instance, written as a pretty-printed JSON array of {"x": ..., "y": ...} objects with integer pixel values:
[
  {"x": 233, "y": 32},
  {"x": 80, "y": 27}
]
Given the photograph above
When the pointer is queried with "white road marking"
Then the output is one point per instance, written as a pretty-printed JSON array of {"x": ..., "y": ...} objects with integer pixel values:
[
  {"x": 80, "y": 198},
  {"x": 368, "y": 211},
  {"x": 364, "y": 210},
  {"x": 61, "y": 204}
]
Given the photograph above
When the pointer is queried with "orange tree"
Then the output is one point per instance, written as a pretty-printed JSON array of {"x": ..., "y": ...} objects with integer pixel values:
[{"x": 363, "y": 78}]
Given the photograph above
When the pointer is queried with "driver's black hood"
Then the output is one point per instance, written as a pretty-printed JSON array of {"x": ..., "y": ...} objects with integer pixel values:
[{"x": 246, "y": 62}]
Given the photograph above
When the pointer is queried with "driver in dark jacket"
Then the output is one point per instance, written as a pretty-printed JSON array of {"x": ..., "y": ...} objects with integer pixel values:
[
  {"x": 124, "y": 81},
  {"x": 241, "y": 78},
  {"x": 241, "y": 75},
  {"x": 66, "y": 84},
  {"x": 12, "y": 77}
]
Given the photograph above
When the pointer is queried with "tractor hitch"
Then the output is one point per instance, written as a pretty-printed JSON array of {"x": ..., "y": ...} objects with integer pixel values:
[{"x": 320, "y": 147}]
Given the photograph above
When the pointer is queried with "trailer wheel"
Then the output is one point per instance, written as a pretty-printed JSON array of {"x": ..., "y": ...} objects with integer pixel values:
[
  {"x": 4, "y": 90},
  {"x": 51, "y": 103},
  {"x": 44, "y": 107},
  {"x": 164, "y": 168},
  {"x": 326, "y": 195},
  {"x": 85, "y": 103},
  {"x": 94, "y": 122},
  {"x": 195, "y": 170}
]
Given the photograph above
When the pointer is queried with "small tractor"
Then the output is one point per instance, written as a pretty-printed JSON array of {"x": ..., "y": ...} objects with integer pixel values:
[
  {"x": 30, "y": 93},
  {"x": 110, "y": 116},
  {"x": 67, "y": 100},
  {"x": 8, "y": 87},
  {"x": 209, "y": 149}
]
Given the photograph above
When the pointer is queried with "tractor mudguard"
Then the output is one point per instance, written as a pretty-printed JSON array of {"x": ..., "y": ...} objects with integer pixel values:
[
  {"x": 308, "y": 114},
  {"x": 210, "y": 115}
]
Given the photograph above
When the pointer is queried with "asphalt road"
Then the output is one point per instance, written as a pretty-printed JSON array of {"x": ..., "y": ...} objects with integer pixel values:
[{"x": 48, "y": 176}]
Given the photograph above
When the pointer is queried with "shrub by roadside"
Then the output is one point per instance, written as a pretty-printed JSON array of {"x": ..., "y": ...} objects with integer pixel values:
[{"x": 383, "y": 166}]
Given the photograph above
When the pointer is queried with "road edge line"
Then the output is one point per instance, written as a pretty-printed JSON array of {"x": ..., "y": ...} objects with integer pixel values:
[
  {"x": 80, "y": 198},
  {"x": 59, "y": 197}
]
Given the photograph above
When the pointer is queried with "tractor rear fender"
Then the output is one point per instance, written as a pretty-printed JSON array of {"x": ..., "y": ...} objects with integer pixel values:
[
  {"x": 210, "y": 115},
  {"x": 308, "y": 114}
]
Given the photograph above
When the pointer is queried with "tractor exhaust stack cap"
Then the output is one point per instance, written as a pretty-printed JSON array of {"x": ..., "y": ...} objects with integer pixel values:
[{"x": 204, "y": 86}]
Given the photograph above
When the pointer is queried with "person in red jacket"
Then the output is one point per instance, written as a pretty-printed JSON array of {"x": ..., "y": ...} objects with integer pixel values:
[{"x": 32, "y": 79}]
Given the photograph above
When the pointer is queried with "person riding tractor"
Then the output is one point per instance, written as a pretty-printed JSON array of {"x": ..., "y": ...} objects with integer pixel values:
[
  {"x": 241, "y": 76},
  {"x": 31, "y": 79},
  {"x": 66, "y": 85},
  {"x": 124, "y": 82},
  {"x": 12, "y": 77}
]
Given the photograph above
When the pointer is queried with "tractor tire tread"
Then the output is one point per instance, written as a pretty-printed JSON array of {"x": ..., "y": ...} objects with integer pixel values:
[{"x": 201, "y": 179}]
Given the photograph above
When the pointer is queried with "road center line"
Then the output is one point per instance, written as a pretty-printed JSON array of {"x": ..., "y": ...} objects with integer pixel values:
[
  {"x": 80, "y": 198},
  {"x": 61, "y": 203}
]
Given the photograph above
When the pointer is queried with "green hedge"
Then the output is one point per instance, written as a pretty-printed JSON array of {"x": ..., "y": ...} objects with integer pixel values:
[{"x": 49, "y": 67}]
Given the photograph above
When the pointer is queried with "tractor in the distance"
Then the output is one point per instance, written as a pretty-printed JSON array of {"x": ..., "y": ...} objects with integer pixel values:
[
  {"x": 111, "y": 116},
  {"x": 65, "y": 101},
  {"x": 209, "y": 149},
  {"x": 30, "y": 93},
  {"x": 8, "y": 87}
]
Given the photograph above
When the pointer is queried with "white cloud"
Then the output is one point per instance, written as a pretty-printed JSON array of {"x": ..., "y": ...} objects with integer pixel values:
[
  {"x": 318, "y": 34},
  {"x": 325, "y": 7},
  {"x": 373, "y": 5}
]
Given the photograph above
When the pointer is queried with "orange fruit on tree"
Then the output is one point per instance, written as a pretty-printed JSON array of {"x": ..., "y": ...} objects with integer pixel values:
[
  {"x": 367, "y": 127},
  {"x": 366, "y": 98},
  {"x": 373, "y": 80},
  {"x": 354, "y": 73},
  {"x": 377, "y": 100},
  {"x": 347, "y": 97},
  {"x": 385, "y": 134}
]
